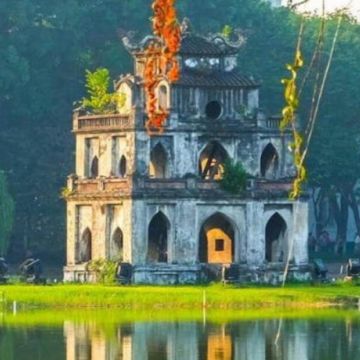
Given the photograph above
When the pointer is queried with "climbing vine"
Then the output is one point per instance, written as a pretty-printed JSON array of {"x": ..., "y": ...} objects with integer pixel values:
[
  {"x": 6, "y": 214},
  {"x": 161, "y": 60},
  {"x": 300, "y": 144},
  {"x": 289, "y": 117}
]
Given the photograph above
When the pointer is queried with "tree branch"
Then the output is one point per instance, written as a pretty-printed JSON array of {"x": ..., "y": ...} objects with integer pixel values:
[{"x": 293, "y": 6}]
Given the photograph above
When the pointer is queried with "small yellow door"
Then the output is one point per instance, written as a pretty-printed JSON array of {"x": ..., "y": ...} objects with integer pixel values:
[{"x": 219, "y": 246}]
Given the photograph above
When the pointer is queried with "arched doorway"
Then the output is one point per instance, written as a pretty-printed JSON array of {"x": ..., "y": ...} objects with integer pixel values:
[
  {"x": 116, "y": 245},
  {"x": 217, "y": 240},
  {"x": 275, "y": 239},
  {"x": 211, "y": 161},
  {"x": 158, "y": 238},
  {"x": 94, "y": 169},
  {"x": 84, "y": 248},
  {"x": 158, "y": 162},
  {"x": 269, "y": 162}
]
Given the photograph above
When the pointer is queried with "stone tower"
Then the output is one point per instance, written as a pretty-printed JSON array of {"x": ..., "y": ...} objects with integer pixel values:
[{"x": 156, "y": 202}]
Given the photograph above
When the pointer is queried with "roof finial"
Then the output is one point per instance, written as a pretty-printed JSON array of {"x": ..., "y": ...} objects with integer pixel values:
[{"x": 185, "y": 26}]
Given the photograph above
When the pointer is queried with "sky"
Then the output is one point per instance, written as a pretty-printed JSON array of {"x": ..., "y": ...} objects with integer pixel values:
[{"x": 331, "y": 5}]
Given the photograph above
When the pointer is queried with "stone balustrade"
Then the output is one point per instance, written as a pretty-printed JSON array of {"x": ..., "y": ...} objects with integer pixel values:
[
  {"x": 105, "y": 122},
  {"x": 272, "y": 122},
  {"x": 186, "y": 185}
]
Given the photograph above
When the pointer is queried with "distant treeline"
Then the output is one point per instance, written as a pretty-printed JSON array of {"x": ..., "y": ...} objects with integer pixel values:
[{"x": 46, "y": 46}]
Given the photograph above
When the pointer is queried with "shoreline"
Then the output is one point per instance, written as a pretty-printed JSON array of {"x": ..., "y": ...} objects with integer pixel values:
[
  {"x": 56, "y": 317},
  {"x": 213, "y": 297}
]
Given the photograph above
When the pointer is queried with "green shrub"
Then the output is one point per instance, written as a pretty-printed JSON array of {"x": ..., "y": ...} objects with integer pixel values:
[
  {"x": 100, "y": 100},
  {"x": 105, "y": 270},
  {"x": 234, "y": 177}
]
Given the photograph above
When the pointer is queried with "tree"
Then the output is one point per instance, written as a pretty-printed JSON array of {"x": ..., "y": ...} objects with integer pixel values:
[
  {"x": 334, "y": 167},
  {"x": 100, "y": 100},
  {"x": 6, "y": 215}
]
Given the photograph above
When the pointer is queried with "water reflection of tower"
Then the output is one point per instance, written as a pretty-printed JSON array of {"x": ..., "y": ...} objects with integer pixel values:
[
  {"x": 91, "y": 342},
  {"x": 246, "y": 340},
  {"x": 220, "y": 344},
  {"x": 165, "y": 341}
]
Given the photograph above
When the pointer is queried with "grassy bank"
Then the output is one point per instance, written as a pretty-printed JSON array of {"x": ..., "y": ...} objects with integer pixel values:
[
  {"x": 189, "y": 297},
  {"x": 100, "y": 317}
]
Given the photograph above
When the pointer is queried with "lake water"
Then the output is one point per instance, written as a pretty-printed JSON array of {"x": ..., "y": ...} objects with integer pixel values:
[{"x": 110, "y": 336}]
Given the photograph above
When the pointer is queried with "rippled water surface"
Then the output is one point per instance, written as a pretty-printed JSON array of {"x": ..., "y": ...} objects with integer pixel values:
[{"x": 111, "y": 336}]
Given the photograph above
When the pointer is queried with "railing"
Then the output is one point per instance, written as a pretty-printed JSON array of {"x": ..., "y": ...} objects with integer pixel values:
[
  {"x": 89, "y": 186},
  {"x": 272, "y": 123},
  {"x": 101, "y": 122},
  {"x": 272, "y": 185},
  {"x": 177, "y": 184},
  {"x": 110, "y": 185}
]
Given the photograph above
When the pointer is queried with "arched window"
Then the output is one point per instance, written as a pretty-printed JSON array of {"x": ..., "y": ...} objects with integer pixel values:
[
  {"x": 211, "y": 161},
  {"x": 117, "y": 245},
  {"x": 275, "y": 239},
  {"x": 163, "y": 97},
  {"x": 158, "y": 162},
  {"x": 94, "y": 170},
  {"x": 158, "y": 238},
  {"x": 84, "y": 247},
  {"x": 216, "y": 242},
  {"x": 269, "y": 162},
  {"x": 122, "y": 166}
]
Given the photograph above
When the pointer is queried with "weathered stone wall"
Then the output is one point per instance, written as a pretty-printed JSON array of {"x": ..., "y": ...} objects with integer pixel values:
[
  {"x": 183, "y": 151},
  {"x": 248, "y": 218},
  {"x": 109, "y": 147},
  {"x": 102, "y": 218}
]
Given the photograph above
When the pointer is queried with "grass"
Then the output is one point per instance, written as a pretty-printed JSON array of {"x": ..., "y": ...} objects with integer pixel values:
[
  {"x": 101, "y": 317},
  {"x": 155, "y": 298}
]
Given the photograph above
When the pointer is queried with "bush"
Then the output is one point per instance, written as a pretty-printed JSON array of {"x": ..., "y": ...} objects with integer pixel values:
[
  {"x": 100, "y": 100},
  {"x": 234, "y": 177},
  {"x": 105, "y": 270}
]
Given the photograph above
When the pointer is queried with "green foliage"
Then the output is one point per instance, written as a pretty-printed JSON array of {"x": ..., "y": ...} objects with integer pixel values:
[
  {"x": 100, "y": 100},
  {"x": 227, "y": 31},
  {"x": 234, "y": 177},
  {"x": 6, "y": 215},
  {"x": 65, "y": 192},
  {"x": 105, "y": 270}
]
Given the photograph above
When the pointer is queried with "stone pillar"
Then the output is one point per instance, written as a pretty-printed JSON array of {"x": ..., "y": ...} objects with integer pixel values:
[
  {"x": 80, "y": 155},
  {"x": 71, "y": 233},
  {"x": 300, "y": 232},
  {"x": 99, "y": 231},
  {"x": 253, "y": 99},
  {"x": 138, "y": 228},
  {"x": 255, "y": 233},
  {"x": 185, "y": 247}
]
